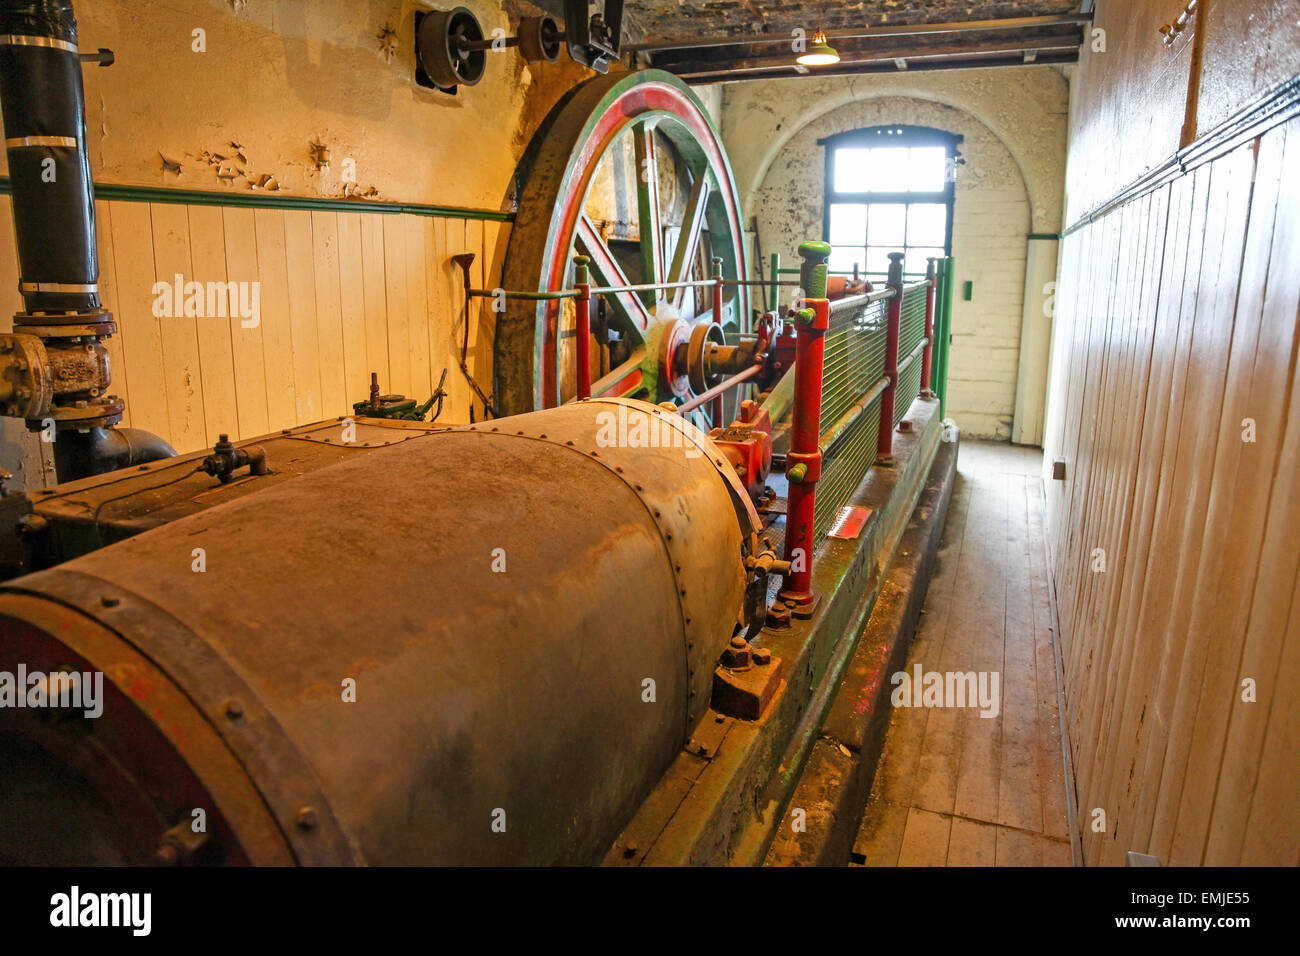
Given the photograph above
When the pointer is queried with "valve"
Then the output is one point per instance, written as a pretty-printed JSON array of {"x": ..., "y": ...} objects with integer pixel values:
[{"x": 226, "y": 459}]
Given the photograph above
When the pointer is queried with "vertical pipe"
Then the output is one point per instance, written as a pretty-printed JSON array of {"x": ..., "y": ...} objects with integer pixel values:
[
  {"x": 804, "y": 460},
  {"x": 583, "y": 351},
  {"x": 49, "y": 169},
  {"x": 716, "y": 416},
  {"x": 940, "y": 327},
  {"x": 926, "y": 356},
  {"x": 885, "y": 435},
  {"x": 775, "y": 297},
  {"x": 945, "y": 346}
]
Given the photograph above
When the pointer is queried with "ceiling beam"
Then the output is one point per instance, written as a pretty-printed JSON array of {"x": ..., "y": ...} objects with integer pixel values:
[
  {"x": 916, "y": 56},
  {"x": 776, "y": 69},
  {"x": 866, "y": 32}
]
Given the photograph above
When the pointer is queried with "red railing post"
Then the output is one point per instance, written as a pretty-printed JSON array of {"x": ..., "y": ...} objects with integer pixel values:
[
  {"x": 803, "y": 463},
  {"x": 583, "y": 350},
  {"x": 929, "y": 330},
  {"x": 716, "y": 409},
  {"x": 885, "y": 436}
]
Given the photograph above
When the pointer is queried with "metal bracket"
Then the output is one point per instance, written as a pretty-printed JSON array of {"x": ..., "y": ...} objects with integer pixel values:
[{"x": 594, "y": 40}]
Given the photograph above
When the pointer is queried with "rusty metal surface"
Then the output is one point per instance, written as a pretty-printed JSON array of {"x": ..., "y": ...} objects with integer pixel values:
[
  {"x": 133, "y": 500},
  {"x": 478, "y": 690},
  {"x": 63, "y": 778}
]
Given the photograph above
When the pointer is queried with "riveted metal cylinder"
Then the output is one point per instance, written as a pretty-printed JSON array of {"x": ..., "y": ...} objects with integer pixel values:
[{"x": 484, "y": 645}]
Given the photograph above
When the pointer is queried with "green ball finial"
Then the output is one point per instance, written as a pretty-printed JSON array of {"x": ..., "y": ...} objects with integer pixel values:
[{"x": 812, "y": 274}]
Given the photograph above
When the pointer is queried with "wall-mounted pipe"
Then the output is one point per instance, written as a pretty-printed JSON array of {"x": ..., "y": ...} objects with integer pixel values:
[
  {"x": 54, "y": 369},
  {"x": 45, "y": 138}
]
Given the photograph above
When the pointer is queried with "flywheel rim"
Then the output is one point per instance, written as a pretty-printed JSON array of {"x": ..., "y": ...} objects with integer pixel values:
[{"x": 551, "y": 225}]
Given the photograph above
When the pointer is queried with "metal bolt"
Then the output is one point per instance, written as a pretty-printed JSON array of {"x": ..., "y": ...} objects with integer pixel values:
[
  {"x": 762, "y": 655},
  {"x": 738, "y": 642},
  {"x": 307, "y": 818},
  {"x": 234, "y": 708},
  {"x": 108, "y": 601}
]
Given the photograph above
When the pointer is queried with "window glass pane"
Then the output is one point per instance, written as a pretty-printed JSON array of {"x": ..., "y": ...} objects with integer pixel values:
[
  {"x": 885, "y": 224},
  {"x": 878, "y": 259},
  {"x": 926, "y": 168},
  {"x": 848, "y": 224},
  {"x": 927, "y": 224},
  {"x": 851, "y": 170},
  {"x": 917, "y": 256},
  {"x": 843, "y": 258},
  {"x": 888, "y": 170}
]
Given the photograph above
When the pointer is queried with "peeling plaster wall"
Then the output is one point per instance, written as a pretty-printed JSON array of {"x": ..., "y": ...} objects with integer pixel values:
[
  {"x": 1014, "y": 128},
  {"x": 343, "y": 293},
  {"x": 278, "y": 74}
]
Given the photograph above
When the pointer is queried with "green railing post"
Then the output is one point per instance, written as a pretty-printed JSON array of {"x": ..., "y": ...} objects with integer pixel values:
[
  {"x": 774, "y": 301},
  {"x": 945, "y": 335}
]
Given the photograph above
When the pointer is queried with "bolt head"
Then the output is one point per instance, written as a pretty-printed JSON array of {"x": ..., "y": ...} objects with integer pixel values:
[{"x": 307, "y": 818}]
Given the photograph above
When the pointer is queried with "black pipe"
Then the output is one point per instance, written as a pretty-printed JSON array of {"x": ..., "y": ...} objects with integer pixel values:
[
  {"x": 54, "y": 223},
  {"x": 100, "y": 450},
  {"x": 45, "y": 138}
]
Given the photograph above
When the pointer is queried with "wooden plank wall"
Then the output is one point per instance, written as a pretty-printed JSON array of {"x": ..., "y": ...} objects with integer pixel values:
[
  {"x": 1178, "y": 323},
  {"x": 342, "y": 294}
]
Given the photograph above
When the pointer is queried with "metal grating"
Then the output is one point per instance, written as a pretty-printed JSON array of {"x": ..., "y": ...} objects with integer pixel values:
[
  {"x": 911, "y": 326},
  {"x": 846, "y": 466},
  {"x": 855, "y": 356}
]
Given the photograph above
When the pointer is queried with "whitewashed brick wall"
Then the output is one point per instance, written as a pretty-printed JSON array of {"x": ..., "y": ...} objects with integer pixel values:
[{"x": 991, "y": 220}]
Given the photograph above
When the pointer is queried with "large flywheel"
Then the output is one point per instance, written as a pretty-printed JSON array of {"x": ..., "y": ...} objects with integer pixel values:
[{"x": 628, "y": 171}]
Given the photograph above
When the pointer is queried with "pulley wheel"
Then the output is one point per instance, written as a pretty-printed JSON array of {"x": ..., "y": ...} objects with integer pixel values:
[
  {"x": 441, "y": 47},
  {"x": 539, "y": 39}
]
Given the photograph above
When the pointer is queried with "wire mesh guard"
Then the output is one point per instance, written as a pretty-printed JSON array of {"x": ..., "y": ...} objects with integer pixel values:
[
  {"x": 854, "y": 362},
  {"x": 911, "y": 330}
]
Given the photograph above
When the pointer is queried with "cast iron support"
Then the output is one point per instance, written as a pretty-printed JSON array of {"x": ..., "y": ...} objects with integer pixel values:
[{"x": 803, "y": 463}]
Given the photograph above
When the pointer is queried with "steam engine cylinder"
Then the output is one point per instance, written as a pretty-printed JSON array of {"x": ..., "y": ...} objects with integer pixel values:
[{"x": 483, "y": 645}]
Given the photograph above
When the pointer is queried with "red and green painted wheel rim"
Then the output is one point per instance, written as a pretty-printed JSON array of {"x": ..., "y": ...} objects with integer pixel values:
[{"x": 532, "y": 358}]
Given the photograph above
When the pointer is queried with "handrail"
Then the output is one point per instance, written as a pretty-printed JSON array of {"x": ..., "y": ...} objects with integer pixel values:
[
  {"x": 865, "y": 298},
  {"x": 913, "y": 355},
  {"x": 837, "y": 431}
]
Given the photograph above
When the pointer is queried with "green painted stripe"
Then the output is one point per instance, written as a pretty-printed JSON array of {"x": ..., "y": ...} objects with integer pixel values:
[{"x": 197, "y": 197}]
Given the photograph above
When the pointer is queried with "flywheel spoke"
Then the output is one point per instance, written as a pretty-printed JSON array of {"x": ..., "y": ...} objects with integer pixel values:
[
  {"x": 622, "y": 380},
  {"x": 629, "y": 312},
  {"x": 688, "y": 240},
  {"x": 648, "y": 210}
]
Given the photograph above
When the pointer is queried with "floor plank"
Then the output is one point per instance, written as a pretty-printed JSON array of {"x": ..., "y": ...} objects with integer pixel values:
[{"x": 953, "y": 787}]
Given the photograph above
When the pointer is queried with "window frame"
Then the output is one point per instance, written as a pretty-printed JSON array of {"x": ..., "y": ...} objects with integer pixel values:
[{"x": 894, "y": 135}]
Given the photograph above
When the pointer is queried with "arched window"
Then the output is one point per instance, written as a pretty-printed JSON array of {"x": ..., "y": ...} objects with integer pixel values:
[{"x": 889, "y": 189}]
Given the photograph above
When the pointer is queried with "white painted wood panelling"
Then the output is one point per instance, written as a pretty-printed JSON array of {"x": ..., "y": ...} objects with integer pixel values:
[{"x": 342, "y": 294}]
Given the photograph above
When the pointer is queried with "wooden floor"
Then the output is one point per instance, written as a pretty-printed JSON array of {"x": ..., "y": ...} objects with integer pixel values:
[{"x": 954, "y": 788}]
